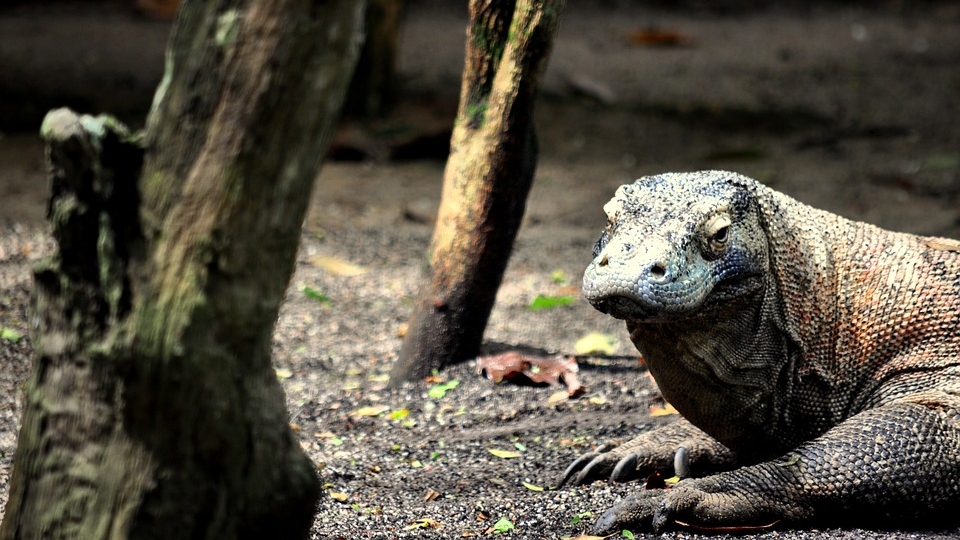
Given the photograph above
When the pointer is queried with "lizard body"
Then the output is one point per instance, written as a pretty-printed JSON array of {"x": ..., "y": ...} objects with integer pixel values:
[{"x": 815, "y": 360}]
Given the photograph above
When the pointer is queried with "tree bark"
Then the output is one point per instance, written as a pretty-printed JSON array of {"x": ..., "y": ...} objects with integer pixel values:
[
  {"x": 486, "y": 182},
  {"x": 152, "y": 410}
]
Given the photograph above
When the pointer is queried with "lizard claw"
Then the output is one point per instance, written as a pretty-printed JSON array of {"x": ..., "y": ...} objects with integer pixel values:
[
  {"x": 662, "y": 517},
  {"x": 576, "y": 466},
  {"x": 582, "y": 469},
  {"x": 626, "y": 469}
]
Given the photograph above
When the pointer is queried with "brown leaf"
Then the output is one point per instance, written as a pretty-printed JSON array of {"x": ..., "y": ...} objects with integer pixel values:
[
  {"x": 431, "y": 495},
  {"x": 337, "y": 267},
  {"x": 666, "y": 410},
  {"x": 728, "y": 529},
  {"x": 655, "y": 37},
  {"x": 519, "y": 368}
]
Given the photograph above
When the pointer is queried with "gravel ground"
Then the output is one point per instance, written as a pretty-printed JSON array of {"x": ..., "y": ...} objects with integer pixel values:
[{"x": 852, "y": 110}]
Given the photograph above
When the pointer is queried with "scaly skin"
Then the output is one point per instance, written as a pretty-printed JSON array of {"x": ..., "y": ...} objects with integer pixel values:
[{"x": 814, "y": 359}]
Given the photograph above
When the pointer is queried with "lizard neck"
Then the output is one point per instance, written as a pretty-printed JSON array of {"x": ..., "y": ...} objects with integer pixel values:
[{"x": 725, "y": 373}]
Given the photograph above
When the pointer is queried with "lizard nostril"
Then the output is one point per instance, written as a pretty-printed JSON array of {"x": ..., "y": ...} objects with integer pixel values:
[
  {"x": 603, "y": 261},
  {"x": 658, "y": 272}
]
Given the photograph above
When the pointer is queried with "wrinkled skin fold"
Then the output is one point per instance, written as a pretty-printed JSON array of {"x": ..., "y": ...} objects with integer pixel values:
[{"x": 814, "y": 360}]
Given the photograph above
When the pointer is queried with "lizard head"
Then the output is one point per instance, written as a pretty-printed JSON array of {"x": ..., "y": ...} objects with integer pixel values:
[{"x": 678, "y": 246}]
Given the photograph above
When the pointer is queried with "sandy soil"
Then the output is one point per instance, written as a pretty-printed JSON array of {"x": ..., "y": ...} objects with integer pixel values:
[{"x": 848, "y": 109}]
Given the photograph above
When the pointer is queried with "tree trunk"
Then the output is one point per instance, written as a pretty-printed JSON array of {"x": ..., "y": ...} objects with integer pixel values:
[
  {"x": 153, "y": 410},
  {"x": 486, "y": 182},
  {"x": 373, "y": 88}
]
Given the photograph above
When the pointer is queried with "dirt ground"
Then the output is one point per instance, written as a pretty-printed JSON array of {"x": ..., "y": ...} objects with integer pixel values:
[{"x": 850, "y": 109}]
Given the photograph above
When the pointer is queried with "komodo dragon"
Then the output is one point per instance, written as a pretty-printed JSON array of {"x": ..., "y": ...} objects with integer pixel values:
[{"x": 815, "y": 360}]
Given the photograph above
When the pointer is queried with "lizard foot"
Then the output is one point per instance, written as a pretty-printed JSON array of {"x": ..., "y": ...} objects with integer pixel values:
[{"x": 706, "y": 504}]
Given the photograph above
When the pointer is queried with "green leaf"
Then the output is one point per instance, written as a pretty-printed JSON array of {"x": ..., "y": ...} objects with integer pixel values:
[
  {"x": 504, "y": 454},
  {"x": 437, "y": 391},
  {"x": 503, "y": 525},
  {"x": 559, "y": 277},
  {"x": 532, "y": 487},
  {"x": 576, "y": 519},
  {"x": 627, "y": 534},
  {"x": 9, "y": 334},
  {"x": 400, "y": 414},
  {"x": 543, "y": 301},
  {"x": 314, "y": 294}
]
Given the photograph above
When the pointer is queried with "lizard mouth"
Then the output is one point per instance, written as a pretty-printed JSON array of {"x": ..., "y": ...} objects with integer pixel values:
[{"x": 724, "y": 295}]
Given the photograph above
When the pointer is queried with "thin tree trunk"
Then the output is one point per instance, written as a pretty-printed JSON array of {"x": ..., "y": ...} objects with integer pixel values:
[
  {"x": 486, "y": 182},
  {"x": 374, "y": 87},
  {"x": 153, "y": 410}
]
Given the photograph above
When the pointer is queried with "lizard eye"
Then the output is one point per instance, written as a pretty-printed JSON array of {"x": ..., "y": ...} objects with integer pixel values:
[{"x": 718, "y": 232}]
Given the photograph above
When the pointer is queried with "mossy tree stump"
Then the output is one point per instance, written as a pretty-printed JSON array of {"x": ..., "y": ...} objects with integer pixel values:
[{"x": 152, "y": 410}]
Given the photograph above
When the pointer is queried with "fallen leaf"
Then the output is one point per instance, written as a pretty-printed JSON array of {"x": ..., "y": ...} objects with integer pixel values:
[
  {"x": 431, "y": 495},
  {"x": 596, "y": 343},
  {"x": 339, "y": 497},
  {"x": 439, "y": 390},
  {"x": 504, "y": 454},
  {"x": 501, "y": 526},
  {"x": 735, "y": 529},
  {"x": 283, "y": 373},
  {"x": 585, "y": 537},
  {"x": 337, "y": 267},
  {"x": 314, "y": 294},
  {"x": 576, "y": 519},
  {"x": 660, "y": 38},
  {"x": 665, "y": 410},
  {"x": 372, "y": 410},
  {"x": 399, "y": 414},
  {"x": 532, "y": 487},
  {"x": 9, "y": 334},
  {"x": 519, "y": 368},
  {"x": 424, "y": 523},
  {"x": 557, "y": 398},
  {"x": 543, "y": 301}
]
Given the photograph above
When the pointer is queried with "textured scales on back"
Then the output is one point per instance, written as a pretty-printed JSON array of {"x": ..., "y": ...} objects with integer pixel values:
[{"x": 815, "y": 360}]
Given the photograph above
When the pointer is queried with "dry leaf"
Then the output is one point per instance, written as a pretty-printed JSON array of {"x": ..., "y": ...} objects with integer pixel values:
[
  {"x": 666, "y": 410},
  {"x": 557, "y": 398},
  {"x": 660, "y": 38},
  {"x": 424, "y": 523},
  {"x": 431, "y": 495},
  {"x": 283, "y": 373},
  {"x": 504, "y": 454},
  {"x": 735, "y": 529},
  {"x": 373, "y": 410},
  {"x": 339, "y": 497},
  {"x": 519, "y": 368},
  {"x": 595, "y": 343},
  {"x": 337, "y": 267},
  {"x": 532, "y": 487}
]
